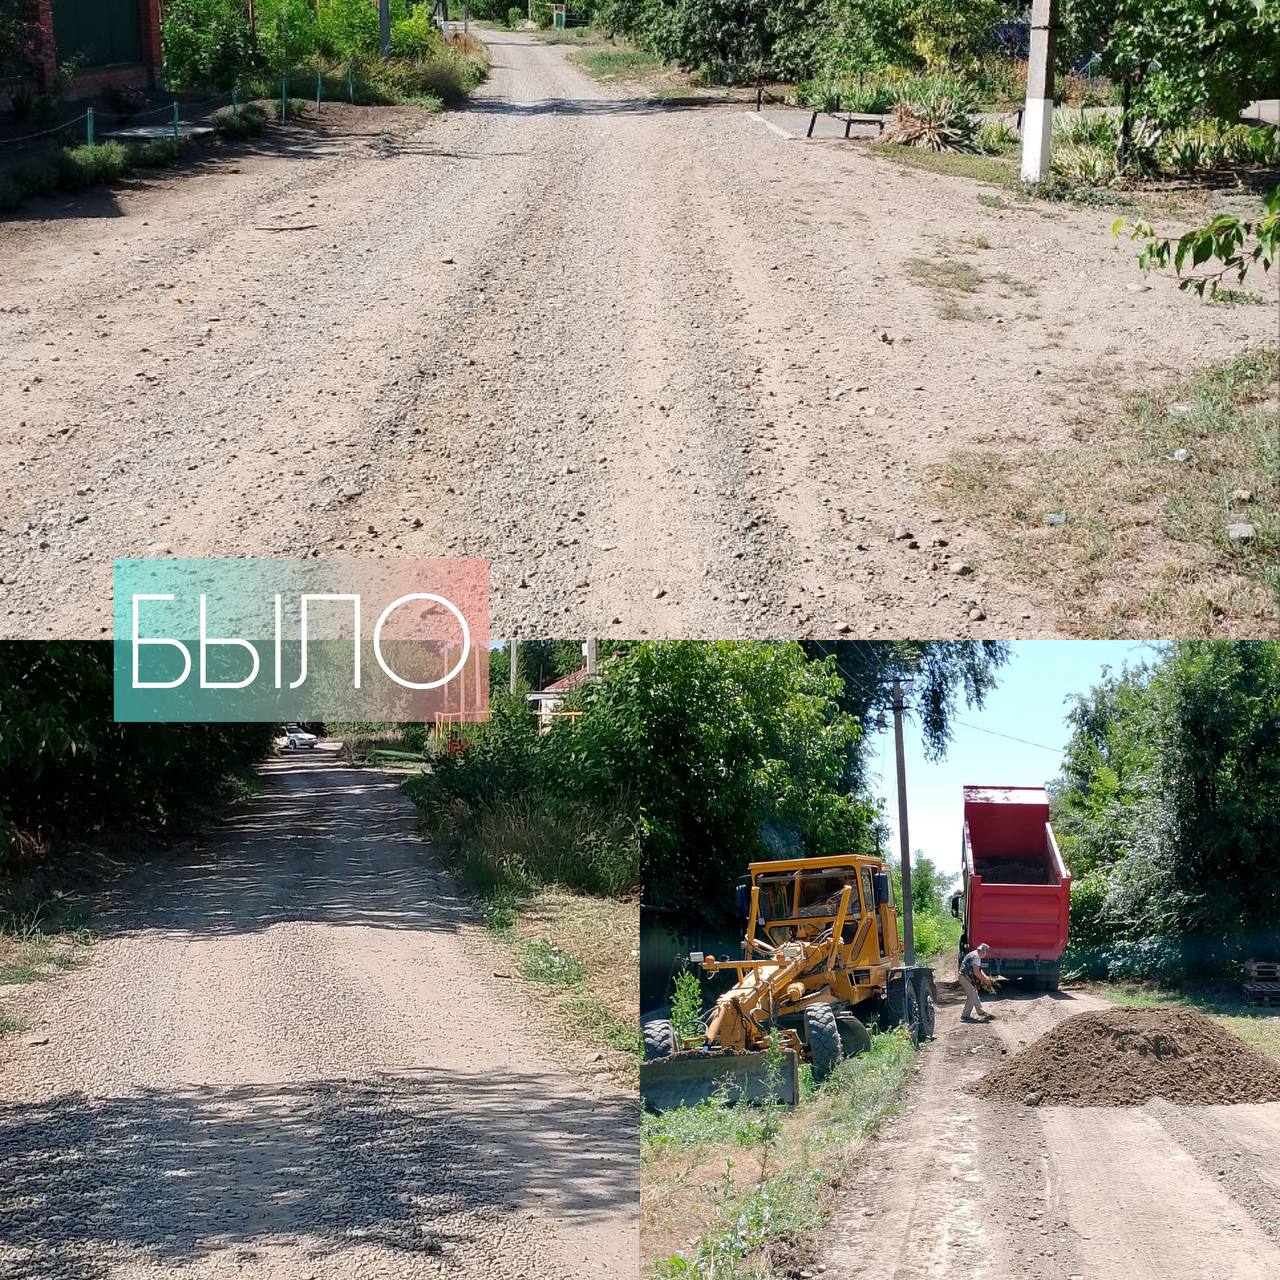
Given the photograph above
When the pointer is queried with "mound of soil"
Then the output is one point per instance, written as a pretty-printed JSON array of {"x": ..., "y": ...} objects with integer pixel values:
[{"x": 1122, "y": 1057}]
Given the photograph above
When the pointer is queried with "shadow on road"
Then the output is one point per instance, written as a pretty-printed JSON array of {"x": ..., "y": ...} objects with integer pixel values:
[
  {"x": 403, "y": 1161},
  {"x": 322, "y": 842},
  {"x": 592, "y": 106}
]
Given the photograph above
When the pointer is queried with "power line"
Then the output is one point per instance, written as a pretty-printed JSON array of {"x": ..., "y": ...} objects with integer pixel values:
[{"x": 996, "y": 734}]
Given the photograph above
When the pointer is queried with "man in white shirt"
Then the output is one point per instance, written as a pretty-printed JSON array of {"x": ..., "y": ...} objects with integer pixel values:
[{"x": 971, "y": 977}]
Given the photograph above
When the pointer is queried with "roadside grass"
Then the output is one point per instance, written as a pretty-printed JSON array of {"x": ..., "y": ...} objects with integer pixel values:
[
  {"x": 582, "y": 953},
  {"x": 618, "y": 64},
  {"x": 999, "y": 170},
  {"x": 1256, "y": 1026},
  {"x": 1144, "y": 542},
  {"x": 39, "y": 944},
  {"x": 735, "y": 1192},
  {"x": 444, "y": 77}
]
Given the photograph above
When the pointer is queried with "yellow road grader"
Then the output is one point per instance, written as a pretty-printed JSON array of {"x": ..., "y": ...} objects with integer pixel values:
[{"x": 821, "y": 964}]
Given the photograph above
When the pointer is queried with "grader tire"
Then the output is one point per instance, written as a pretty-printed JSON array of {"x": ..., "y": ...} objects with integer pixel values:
[
  {"x": 928, "y": 1013},
  {"x": 659, "y": 1039},
  {"x": 823, "y": 1035}
]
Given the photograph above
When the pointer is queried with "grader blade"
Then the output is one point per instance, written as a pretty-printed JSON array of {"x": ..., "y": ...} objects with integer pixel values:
[{"x": 685, "y": 1079}]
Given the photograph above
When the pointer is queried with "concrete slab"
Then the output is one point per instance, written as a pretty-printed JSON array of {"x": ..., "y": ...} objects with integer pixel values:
[{"x": 148, "y": 132}]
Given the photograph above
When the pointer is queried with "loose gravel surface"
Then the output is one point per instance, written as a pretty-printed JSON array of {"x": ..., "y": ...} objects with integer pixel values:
[
  {"x": 672, "y": 373},
  {"x": 959, "y": 1186},
  {"x": 288, "y": 1058}
]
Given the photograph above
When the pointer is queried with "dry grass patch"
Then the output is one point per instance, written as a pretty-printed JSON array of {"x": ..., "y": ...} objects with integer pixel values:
[
  {"x": 582, "y": 954},
  {"x": 1128, "y": 532}
]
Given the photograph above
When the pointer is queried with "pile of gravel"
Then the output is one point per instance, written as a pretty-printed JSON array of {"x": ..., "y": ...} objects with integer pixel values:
[{"x": 1122, "y": 1057}]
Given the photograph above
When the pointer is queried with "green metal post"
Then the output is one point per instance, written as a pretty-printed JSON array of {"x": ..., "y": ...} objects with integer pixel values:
[
  {"x": 319, "y": 89},
  {"x": 284, "y": 97},
  {"x": 351, "y": 84},
  {"x": 176, "y": 134},
  {"x": 88, "y": 126},
  {"x": 235, "y": 103}
]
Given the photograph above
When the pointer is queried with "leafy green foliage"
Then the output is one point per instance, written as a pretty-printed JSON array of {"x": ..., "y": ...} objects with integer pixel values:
[
  {"x": 206, "y": 42},
  {"x": 1235, "y": 244},
  {"x": 686, "y": 1004},
  {"x": 68, "y": 770},
  {"x": 942, "y": 674},
  {"x": 832, "y": 40},
  {"x": 1183, "y": 59},
  {"x": 1167, "y": 812}
]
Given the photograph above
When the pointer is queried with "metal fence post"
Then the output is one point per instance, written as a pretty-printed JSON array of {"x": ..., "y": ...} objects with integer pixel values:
[
  {"x": 88, "y": 126},
  {"x": 284, "y": 97},
  {"x": 351, "y": 83},
  {"x": 319, "y": 87},
  {"x": 235, "y": 103},
  {"x": 176, "y": 134}
]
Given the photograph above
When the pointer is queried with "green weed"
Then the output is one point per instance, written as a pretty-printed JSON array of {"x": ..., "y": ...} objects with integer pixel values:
[{"x": 542, "y": 961}]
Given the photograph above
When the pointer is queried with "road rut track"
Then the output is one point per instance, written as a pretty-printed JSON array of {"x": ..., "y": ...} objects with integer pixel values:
[
  {"x": 960, "y": 1186},
  {"x": 674, "y": 378},
  {"x": 287, "y": 1057}
]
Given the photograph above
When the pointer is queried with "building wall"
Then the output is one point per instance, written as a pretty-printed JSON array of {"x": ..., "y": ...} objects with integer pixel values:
[{"x": 144, "y": 75}]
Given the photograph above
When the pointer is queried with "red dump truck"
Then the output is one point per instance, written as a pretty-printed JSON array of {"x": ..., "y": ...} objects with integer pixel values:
[{"x": 1017, "y": 890}]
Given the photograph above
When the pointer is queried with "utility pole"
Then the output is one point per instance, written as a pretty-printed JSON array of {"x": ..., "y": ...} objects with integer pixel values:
[
  {"x": 515, "y": 665},
  {"x": 384, "y": 26},
  {"x": 590, "y": 650},
  {"x": 1037, "y": 115},
  {"x": 904, "y": 839}
]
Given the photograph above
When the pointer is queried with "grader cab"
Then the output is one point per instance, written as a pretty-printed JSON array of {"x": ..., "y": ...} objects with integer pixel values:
[{"x": 821, "y": 965}]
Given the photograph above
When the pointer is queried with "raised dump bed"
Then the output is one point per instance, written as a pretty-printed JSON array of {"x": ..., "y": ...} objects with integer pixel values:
[{"x": 1017, "y": 890}]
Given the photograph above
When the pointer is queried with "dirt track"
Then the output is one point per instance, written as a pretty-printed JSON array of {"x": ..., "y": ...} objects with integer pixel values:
[
  {"x": 666, "y": 369},
  {"x": 288, "y": 1058},
  {"x": 962, "y": 1187}
]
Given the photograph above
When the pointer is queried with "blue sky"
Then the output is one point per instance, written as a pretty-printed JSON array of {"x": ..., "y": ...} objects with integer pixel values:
[{"x": 1030, "y": 702}]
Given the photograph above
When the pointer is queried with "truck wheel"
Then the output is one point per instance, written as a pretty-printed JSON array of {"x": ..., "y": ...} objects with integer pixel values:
[
  {"x": 855, "y": 1038},
  {"x": 659, "y": 1039},
  {"x": 823, "y": 1035},
  {"x": 928, "y": 1009},
  {"x": 913, "y": 1018},
  {"x": 1049, "y": 981}
]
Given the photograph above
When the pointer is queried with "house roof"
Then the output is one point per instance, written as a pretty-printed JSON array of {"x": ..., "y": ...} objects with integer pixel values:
[{"x": 565, "y": 683}]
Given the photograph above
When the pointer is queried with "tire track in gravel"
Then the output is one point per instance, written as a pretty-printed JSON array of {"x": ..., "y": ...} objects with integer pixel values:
[
  {"x": 287, "y": 1058},
  {"x": 991, "y": 1190}
]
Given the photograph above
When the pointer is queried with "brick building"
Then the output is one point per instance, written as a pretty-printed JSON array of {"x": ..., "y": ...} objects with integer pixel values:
[{"x": 114, "y": 43}]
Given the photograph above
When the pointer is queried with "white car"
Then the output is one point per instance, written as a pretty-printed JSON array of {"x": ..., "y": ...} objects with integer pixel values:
[{"x": 298, "y": 739}]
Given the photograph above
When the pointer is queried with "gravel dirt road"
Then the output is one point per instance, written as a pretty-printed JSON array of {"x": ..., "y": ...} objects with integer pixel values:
[
  {"x": 288, "y": 1058},
  {"x": 960, "y": 1186},
  {"x": 672, "y": 373}
]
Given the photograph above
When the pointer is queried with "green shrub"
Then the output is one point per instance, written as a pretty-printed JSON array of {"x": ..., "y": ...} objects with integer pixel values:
[
  {"x": 998, "y": 137},
  {"x": 1084, "y": 165},
  {"x": 248, "y": 122},
  {"x": 935, "y": 121},
  {"x": 686, "y": 1004},
  {"x": 158, "y": 153},
  {"x": 85, "y": 166},
  {"x": 207, "y": 43},
  {"x": 515, "y": 16},
  {"x": 415, "y": 36},
  {"x": 1086, "y": 129}
]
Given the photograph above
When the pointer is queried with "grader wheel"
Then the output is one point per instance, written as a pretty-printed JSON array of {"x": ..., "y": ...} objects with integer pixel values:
[
  {"x": 659, "y": 1039},
  {"x": 823, "y": 1035}
]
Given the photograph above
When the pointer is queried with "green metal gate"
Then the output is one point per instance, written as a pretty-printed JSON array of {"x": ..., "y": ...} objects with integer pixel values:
[{"x": 98, "y": 33}]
